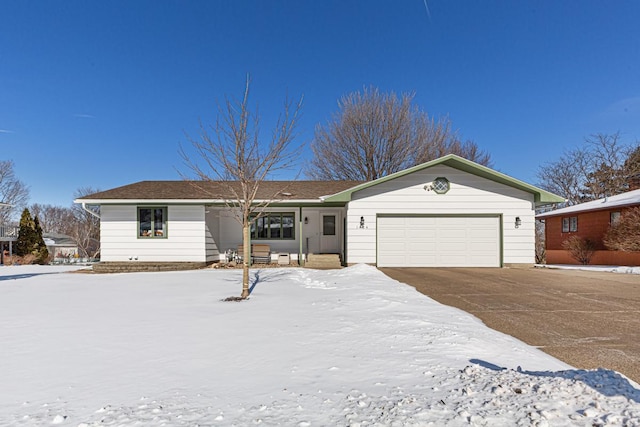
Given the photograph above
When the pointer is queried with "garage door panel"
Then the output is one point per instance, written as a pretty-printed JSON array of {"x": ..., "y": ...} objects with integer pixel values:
[
  {"x": 446, "y": 248},
  {"x": 418, "y": 221},
  {"x": 420, "y": 244},
  {"x": 490, "y": 247},
  {"x": 488, "y": 234},
  {"x": 452, "y": 233},
  {"x": 438, "y": 241},
  {"x": 481, "y": 260},
  {"x": 397, "y": 247}
]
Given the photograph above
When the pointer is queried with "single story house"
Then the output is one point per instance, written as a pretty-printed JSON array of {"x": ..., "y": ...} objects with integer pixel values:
[
  {"x": 62, "y": 248},
  {"x": 589, "y": 220},
  {"x": 449, "y": 212}
]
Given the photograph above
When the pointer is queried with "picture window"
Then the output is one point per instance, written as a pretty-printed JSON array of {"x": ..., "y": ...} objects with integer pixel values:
[{"x": 274, "y": 226}]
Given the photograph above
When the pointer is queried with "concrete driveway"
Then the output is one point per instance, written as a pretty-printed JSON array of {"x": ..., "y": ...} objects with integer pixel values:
[{"x": 587, "y": 319}]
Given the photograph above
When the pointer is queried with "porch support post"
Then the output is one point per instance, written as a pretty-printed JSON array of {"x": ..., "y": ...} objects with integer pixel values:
[
  {"x": 300, "y": 261},
  {"x": 250, "y": 251}
]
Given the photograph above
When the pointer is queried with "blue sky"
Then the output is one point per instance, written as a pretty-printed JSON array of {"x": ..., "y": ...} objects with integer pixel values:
[{"x": 101, "y": 94}]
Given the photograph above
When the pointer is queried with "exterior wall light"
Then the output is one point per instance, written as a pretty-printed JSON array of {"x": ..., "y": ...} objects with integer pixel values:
[
  {"x": 306, "y": 220},
  {"x": 518, "y": 222},
  {"x": 361, "y": 222}
]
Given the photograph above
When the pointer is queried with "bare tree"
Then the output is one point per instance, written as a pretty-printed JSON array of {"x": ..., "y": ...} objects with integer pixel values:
[
  {"x": 613, "y": 168},
  {"x": 53, "y": 219},
  {"x": 84, "y": 227},
  {"x": 12, "y": 191},
  {"x": 375, "y": 134},
  {"x": 438, "y": 138},
  {"x": 603, "y": 166},
  {"x": 231, "y": 152},
  {"x": 566, "y": 175}
]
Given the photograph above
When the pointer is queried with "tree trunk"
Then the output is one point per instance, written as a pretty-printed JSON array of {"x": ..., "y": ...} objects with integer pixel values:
[{"x": 246, "y": 258}]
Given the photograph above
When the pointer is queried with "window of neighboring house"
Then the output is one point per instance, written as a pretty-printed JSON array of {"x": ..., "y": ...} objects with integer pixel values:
[
  {"x": 614, "y": 217},
  {"x": 152, "y": 222},
  {"x": 570, "y": 224},
  {"x": 274, "y": 226}
]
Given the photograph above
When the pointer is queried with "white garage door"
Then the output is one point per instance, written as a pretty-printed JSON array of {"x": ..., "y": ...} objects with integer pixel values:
[{"x": 438, "y": 241}]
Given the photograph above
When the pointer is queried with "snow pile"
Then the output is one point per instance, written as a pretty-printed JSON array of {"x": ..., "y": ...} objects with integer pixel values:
[
  {"x": 603, "y": 268},
  {"x": 349, "y": 347}
]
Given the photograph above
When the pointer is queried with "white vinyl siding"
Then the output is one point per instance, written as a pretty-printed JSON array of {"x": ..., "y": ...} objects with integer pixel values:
[
  {"x": 436, "y": 241},
  {"x": 468, "y": 195},
  {"x": 185, "y": 237}
]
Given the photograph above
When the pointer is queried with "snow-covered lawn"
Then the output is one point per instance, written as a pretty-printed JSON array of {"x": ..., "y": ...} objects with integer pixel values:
[{"x": 309, "y": 348}]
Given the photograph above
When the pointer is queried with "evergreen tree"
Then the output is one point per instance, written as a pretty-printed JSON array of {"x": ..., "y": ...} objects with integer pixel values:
[
  {"x": 40, "y": 248},
  {"x": 26, "y": 234},
  {"x": 30, "y": 241}
]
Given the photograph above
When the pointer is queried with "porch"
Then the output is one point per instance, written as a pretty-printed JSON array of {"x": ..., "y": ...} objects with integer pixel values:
[
  {"x": 295, "y": 232},
  {"x": 8, "y": 235}
]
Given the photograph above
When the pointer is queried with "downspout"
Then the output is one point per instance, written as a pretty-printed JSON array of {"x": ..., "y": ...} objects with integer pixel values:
[{"x": 84, "y": 207}]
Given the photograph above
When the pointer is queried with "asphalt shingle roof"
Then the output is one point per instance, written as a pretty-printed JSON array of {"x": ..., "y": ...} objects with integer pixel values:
[{"x": 216, "y": 190}]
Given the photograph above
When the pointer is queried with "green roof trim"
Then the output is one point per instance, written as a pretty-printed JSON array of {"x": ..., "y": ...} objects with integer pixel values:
[{"x": 541, "y": 196}]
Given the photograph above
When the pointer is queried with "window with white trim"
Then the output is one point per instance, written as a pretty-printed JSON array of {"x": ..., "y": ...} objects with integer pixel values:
[{"x": 570, "y": 224}]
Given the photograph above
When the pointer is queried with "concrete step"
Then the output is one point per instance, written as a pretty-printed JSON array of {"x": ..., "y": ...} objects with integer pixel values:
[{"x": 323, "y": 261}]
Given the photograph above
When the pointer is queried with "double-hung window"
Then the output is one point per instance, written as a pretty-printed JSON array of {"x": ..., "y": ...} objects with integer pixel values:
[
  {"x": 274, "y": 226},
  {"x": 570, "y": 224},
  {"x": 152, "y": 222}
]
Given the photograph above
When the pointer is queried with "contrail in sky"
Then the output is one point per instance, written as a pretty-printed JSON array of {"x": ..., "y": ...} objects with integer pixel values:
[{"x": 426, "y": 6}]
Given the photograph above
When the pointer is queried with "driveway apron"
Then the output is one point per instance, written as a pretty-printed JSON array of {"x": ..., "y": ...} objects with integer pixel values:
[{"x": 584, "y": 318}]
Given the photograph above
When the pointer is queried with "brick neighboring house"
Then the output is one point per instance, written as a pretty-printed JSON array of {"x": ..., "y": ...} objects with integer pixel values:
[{"x": 589, "y": 220}]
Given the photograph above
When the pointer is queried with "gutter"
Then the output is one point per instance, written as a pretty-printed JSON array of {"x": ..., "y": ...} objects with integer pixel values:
[{"x": 84, "y": 207}]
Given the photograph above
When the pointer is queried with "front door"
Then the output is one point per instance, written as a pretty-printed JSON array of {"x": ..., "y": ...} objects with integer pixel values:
[{"x": 329, "y": 233}]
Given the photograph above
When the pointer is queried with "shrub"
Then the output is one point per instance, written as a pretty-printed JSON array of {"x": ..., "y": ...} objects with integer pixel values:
[
  {"x": 580, "y": 249},
  {"x": 624, "y": 235},
  {"x": 541, "y": 250},
  {"x": 20, "y": 260}
]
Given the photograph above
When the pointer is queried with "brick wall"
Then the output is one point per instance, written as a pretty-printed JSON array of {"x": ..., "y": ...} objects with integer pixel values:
[
  {"x": 599, "y": 258},
  {"x": 591, "y": 225}
]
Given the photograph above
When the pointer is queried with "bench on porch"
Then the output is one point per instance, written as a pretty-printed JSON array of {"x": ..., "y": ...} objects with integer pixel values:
[{"x": 260, "y": 253}]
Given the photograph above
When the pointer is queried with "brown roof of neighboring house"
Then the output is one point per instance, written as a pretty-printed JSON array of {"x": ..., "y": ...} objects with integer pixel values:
[{"x": 217, "y": 190}]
